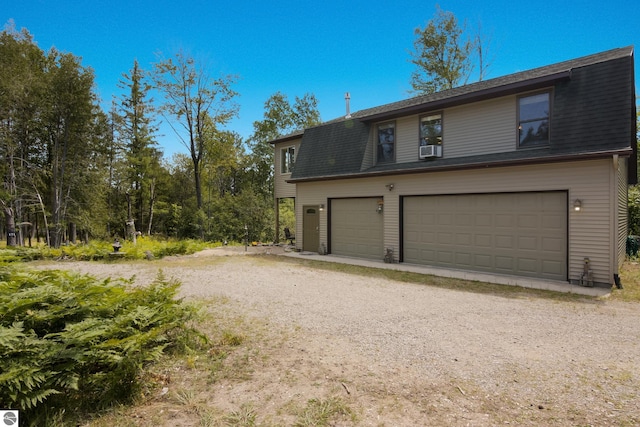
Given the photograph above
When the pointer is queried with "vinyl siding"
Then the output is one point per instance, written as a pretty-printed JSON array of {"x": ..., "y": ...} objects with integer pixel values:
[
  {"x": 478, "y": 128},
  {"x": 622, "y": 214},
  {"x": 281, "y": 187},
  {"x": 408, "y": 136},
  {"x": 589, "y": 181}
]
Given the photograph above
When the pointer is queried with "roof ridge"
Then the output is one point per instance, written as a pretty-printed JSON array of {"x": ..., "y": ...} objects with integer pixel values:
[{"x": 497, "y": 81}]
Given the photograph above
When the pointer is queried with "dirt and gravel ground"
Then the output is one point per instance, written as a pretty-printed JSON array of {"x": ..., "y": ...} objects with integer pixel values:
[{"x": 400, "y": 354}]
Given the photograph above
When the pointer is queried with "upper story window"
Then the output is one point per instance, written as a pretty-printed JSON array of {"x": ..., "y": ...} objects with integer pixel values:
[
  {"x": 287, "y": 159},
  {"x": 533, "y": 120},
  {"x": 431, "y": 130},
  {"x": 386, "y": 142}
]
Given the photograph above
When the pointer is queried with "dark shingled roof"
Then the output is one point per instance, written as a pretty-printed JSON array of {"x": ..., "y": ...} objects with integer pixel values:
[
  {"x": 593, "y": 115},
  {"x": 332, "y": 149}
]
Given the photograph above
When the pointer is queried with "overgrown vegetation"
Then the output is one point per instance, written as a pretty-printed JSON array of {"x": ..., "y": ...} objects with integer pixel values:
[
  {"x": 144, "y": 248},
  {"x": 71, "y": 344}
]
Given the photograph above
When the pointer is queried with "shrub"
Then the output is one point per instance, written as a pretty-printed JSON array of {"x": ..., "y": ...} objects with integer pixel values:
[
  {"x": 100, "y": 250},
  {"x": 70, "y": 343}
]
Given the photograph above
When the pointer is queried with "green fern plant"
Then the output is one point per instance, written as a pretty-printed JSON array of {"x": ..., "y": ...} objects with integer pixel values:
[{"x": 72, "y": 343}]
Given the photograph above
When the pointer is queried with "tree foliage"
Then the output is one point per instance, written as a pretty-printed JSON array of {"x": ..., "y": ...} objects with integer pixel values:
[
  {"x": 197, "y": 103},
  {"x": 50, "y": 139},
  {"x": 70, "y": 167},
  {"x": 444, "y": 54},
  {"x": 135, "y": 127},
  {"x": 281, "y": 117}
]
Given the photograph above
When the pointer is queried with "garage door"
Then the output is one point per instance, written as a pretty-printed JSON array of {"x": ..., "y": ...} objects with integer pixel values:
[
  {"x": 356, "y": 228},
  {"x": 522, "y": 234}
]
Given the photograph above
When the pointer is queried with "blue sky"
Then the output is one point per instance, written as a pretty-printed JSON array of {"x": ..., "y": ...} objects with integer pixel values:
[{"x": 322, "y": 47}]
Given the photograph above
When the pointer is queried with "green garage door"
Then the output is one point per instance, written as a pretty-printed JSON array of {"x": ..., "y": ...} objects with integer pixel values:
[
  {"x": 522, "y": 234},
  {"x": 356, "y": 228}
]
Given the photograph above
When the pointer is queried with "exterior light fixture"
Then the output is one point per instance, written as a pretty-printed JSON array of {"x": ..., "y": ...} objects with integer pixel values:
[
  {"x": 389, "y": 187},
  {"x": 380, "y": 206},
  {"x": 321, "y": 207},
  {"x": 577, "y": 205}
]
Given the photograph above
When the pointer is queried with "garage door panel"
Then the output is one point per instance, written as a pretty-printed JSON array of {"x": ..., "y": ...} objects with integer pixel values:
[
  {"x": 483, "y": 220},
  {"x": 464, "y": 259},
  {"x": 483, "y": 261},
  {"x": 483, "y": 240},
  {"x": 552, "y": 267},
  {"x": 516, "y": 233},
  {"x": 528, "y": 243},
  {"x": 552, "y": 222},
  {"x": 356, "y": 228}
]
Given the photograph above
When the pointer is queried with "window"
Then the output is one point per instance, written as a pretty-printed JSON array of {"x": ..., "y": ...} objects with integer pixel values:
[
  {"x": 533, "y": 120},
  {"x": 386, "y": 142},
  {"x": 431, "y": 130},
  {"x": 287, "y": 159}
]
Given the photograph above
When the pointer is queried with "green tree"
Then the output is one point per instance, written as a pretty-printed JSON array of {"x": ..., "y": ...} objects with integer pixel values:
[
  {"x": 280, "y": 118},
  {"x": 444, "y": 54},
  {"x": 192, "y": 98},
  {"x": 136, "y": 127},
  {"x": 22, "y": 94},
  {"x": 70, "y": 115}
]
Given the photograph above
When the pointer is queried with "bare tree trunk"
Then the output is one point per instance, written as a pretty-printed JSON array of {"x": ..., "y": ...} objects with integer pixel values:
[
  {"x": 72, "y": 232},
  {"x": 10, "y": 221},
  {"x": 131, "y": 225},
  {"x": 152, "y": 199}
]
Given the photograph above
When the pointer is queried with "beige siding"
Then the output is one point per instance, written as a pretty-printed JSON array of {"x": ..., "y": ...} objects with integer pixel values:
[
  {"x": 622, "y": 214},
  {"x": 281, "y": 187},
  {"x": 408, "y": 135},
  {"x": 479, "y": 128},
  {"x": 590, "y": 181}
]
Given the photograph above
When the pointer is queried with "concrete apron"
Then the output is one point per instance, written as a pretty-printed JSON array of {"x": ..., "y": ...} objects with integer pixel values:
[{"x": 525, "y": 282}]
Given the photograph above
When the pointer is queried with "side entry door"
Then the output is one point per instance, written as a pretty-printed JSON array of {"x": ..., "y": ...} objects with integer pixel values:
[{"x": 311, "y": 228}]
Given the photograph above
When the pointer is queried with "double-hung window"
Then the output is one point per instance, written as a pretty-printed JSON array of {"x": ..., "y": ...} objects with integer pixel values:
[
  {"x": 386, "y": 138},
  {"x": 533, "y": 120},
  {"x": 287, "y": 159}
]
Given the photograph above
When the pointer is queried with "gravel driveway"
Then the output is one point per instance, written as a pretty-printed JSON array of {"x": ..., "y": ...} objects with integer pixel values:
[{"x": 452, "y": 357}]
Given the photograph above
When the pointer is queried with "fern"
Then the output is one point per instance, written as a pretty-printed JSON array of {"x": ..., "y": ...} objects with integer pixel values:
[{"x": 69, "y": 342}]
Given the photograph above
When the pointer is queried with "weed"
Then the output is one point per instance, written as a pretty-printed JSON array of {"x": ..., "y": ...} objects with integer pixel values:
[
  {"x": 322, "y": 412},
  {"x": 244, "y": 417}
]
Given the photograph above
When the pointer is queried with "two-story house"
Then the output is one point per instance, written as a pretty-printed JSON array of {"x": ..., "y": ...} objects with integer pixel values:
[{"x": 522, "y": 175}]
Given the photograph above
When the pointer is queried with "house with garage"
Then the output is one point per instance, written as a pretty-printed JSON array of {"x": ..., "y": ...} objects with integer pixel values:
[{"x": 524, "y": 175}]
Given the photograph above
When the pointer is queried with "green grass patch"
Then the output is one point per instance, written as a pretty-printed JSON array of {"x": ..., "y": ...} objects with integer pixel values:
[
  {"x": 630, "y": 279},
  {"x": 324, "y": 412},
  {"x": 507, "y": 291}
]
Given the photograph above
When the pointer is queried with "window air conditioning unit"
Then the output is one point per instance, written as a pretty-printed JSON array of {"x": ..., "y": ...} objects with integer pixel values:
[{"x": 427, "y": 151}]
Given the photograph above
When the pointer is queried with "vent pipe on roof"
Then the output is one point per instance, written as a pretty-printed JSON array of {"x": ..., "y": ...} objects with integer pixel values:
[{"x": 347, "y": 98}]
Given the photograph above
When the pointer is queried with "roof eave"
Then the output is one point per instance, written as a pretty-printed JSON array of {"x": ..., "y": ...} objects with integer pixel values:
[
  {"x": 625, "y": 152},
  {"x": 286, "y": 138}
]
